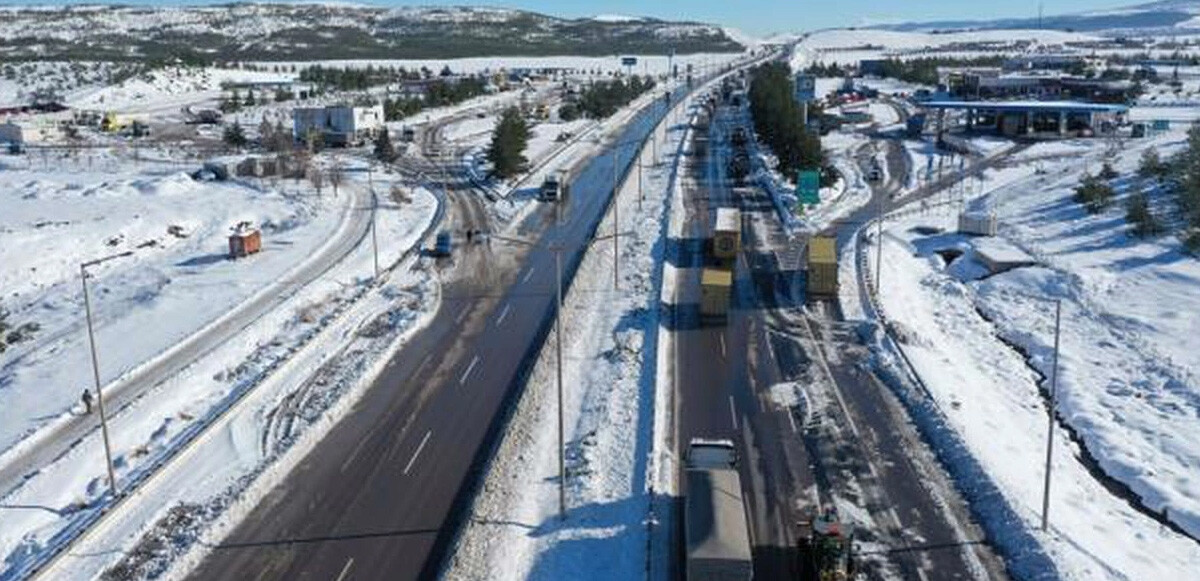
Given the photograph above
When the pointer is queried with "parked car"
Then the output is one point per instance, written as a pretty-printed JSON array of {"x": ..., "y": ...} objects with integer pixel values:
[{"x": 443, "y": 244}]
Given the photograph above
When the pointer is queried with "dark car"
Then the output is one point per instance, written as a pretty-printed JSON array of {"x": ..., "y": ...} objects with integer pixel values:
[{"x": 443, "y": 244}]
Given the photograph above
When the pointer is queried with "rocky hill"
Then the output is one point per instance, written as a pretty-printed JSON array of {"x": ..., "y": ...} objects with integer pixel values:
[{"x": 247, "y": 31}]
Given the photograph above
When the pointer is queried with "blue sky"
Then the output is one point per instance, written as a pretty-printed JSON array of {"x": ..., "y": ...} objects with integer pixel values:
[{"x": 753, "y": 16}]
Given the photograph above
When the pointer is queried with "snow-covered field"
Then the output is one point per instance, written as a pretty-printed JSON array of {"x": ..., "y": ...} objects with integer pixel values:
[
  {"x": 1126, "y": 378},
  {"x": 279, "y": 364},
  {"x": 169, "y": 287},
  {"x": 847, "y": 47}
]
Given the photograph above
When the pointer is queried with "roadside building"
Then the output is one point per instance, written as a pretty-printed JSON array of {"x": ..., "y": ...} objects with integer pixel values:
[
  {"x": 339, "y": 125},
  {"x": 1029, "y": 118}
]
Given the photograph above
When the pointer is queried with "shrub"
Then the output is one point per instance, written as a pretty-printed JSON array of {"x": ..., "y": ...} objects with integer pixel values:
[{"x": 1137, "y": 212}]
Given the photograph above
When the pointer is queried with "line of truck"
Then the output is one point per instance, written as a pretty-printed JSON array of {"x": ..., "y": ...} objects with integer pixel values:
[{"x": 721, "y": 253}]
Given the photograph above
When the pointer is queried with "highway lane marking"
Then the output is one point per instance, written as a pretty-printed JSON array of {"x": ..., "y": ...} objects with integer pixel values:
[
  {"x": 346, "y": 569},
  {"x": 722, "y": 337},
  {"x": 733, "y": 413},
  {"x": 420, "y": 447},
  {"x": 474, "y": 361},
  {"x": 461, "y": 316},
  {"x": 424, "y": 362},
  {"x": 504, "y": 313},
  {"x": 528, "y": 274},
  {"x": 353, "y": 455}
]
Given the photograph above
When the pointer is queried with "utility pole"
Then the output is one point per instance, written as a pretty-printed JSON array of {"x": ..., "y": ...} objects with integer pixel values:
[
  {"x": 879, "y": 243},
  {"x": 639, "y": 168},
  {"x": 1053, "y": 408},
  {"x": 616, "y": 222},
  {"x": 87, "y": 304},
  {"x": 557, "y": 247},
  {"x": 558, "y": 360},
  {"x": 374, "y": 238}
]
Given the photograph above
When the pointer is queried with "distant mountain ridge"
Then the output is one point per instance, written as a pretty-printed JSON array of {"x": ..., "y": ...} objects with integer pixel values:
[
  {"x": 1164, "y": 16},
  {"x": 249, "y": 31}
]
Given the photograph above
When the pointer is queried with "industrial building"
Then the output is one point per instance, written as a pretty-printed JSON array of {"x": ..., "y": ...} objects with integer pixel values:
[
  {"x": 338, "y": 125},
  {"x": 993, "y": 83},
  {"x": 1030, "y": 118}
]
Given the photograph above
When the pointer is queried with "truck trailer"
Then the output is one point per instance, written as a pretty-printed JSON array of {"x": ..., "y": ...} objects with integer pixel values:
[
  {"x": 715, "y": 526},
  {"x": 716, "y": 293},
  {"x": 726, "y": 239},
  {"x": 822, "y": 267}
]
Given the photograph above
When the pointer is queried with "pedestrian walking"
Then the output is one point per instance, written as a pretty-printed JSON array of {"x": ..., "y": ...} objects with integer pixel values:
[{"x": 87, "y": 400}]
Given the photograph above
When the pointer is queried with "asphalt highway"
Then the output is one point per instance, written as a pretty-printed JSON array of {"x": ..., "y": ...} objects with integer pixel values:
[
  {"x": 383, "y": 495},
  {"x": 845, "y": 441}
]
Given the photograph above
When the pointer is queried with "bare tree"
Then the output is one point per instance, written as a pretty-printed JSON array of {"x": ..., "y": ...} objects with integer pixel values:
[
  {"x": 337, "y": 174},
  {"x": 317, "y": 178}
]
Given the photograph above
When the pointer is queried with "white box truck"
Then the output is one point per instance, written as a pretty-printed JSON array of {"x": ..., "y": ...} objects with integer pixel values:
[{"x": 715, "y": 528}]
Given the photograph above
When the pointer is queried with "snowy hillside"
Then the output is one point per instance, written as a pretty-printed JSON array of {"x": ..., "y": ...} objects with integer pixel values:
[
  {"x": 1162, "y": 17},
  {"x": 849, "y": 46},
  {"x": 308, "y": 31}
]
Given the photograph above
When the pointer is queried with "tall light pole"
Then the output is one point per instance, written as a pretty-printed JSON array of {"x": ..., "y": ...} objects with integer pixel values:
[
  {"x": 879, "y": 243},
  {"x": 557, "y": 248},
  {"x": 87, "y": 304},
  {"x": 374, "y": 214},
  {"x": 1053, "y": 408},
  {"x": 616, "y": 220}
]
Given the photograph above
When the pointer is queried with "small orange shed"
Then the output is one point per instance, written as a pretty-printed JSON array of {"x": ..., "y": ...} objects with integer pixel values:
[{"x": 244, "y": 241}]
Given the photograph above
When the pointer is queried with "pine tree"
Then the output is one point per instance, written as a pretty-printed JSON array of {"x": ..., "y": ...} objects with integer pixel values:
[
  {"x": 234, "y": 135},
  {"x": 1151, "y": 165},
  {"x": 506, "y": 152},
  {"x": 384, "y": 150},
  {"x": 1137, "y": 212}
]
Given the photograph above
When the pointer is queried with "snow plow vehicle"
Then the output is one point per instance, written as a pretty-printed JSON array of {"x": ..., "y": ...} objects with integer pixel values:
[{"x": 825, "y": 548}]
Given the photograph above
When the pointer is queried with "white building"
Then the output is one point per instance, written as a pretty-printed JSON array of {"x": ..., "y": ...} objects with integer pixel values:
[
  {"x": 338, "y": 124},
  {"x": 25, "y": 132}
]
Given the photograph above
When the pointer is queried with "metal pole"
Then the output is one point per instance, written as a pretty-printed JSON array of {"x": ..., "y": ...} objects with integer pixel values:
[
  {"x": 879, "y": 242},
  {"x": 87, "y": 303},
  {"x": 654, "y": 146},
  {"x": 640, "y": 194},
  {"x": 616, "y": 222},
  {"x": 562, "y": 445},
  {"x": 1053, "y": 407},
  {"x": 374, "y": 239}
]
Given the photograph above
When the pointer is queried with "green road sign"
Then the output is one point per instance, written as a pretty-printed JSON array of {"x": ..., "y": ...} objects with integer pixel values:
[{"x": 808, "y": 187}]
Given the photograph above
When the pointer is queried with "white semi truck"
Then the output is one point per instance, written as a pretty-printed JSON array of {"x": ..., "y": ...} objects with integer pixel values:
[{"x": 715, "y": 527}]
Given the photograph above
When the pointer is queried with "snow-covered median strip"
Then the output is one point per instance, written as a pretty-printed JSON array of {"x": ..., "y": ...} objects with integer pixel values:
[{"x": 609, "y": 368}]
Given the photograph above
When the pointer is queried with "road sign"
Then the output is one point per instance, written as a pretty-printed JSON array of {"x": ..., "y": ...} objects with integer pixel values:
[
  {"x": 808, "y": 186},
  {"x": 806, "y": 88},
  {"x": 629, "y": 61}
]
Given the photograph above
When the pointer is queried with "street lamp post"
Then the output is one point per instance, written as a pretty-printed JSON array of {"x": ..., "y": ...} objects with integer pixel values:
[
  {"x": 374, "y": 213},
  {"x": 616, "y": 221},
  {"x": 87, "y": 304},
  {"x": 1053, "y": 408},
  {"x": 557, "y": 248}
]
